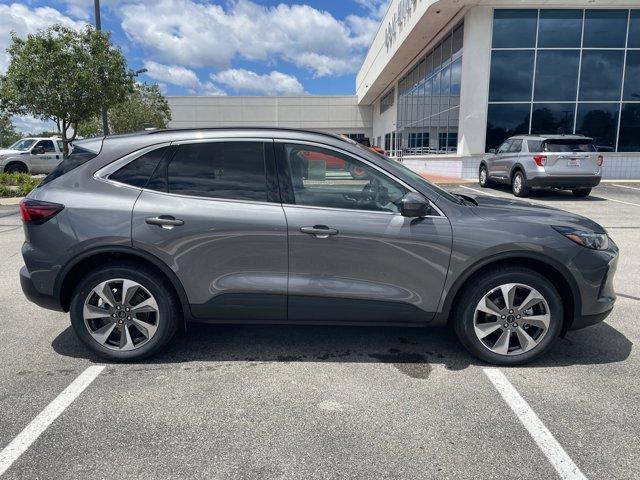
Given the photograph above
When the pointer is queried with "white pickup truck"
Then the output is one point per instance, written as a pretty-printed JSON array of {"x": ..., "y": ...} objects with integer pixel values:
[{"x": 32, "y": 155}]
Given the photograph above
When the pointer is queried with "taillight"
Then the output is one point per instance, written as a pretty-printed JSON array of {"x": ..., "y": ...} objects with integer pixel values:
[
  {"x": 541, "y": 160},
  {"x": 600, "y": 160},
  {"x": 36, "y": 211}
]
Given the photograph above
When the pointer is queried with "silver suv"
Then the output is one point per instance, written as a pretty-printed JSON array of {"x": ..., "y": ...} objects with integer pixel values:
[
  {"x": 134, "y": 235},
  {"x": 569, "y": 162}
]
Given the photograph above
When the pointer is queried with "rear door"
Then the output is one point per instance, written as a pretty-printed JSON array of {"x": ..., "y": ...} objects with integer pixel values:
[
  {"x": 212, "y": 213},
  {"x": 571, "y": 157},
  {"x": 352, "y": 256}
]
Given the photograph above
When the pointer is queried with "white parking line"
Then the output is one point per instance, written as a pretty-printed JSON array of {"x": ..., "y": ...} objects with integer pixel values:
[
  {"x": 618, "y": 201},
  {"x": 31, "y": 432},
  {"x": 625, "y": 186},
  {"x": 540, "y": 434},
  {"x": 478, "y": 191}
]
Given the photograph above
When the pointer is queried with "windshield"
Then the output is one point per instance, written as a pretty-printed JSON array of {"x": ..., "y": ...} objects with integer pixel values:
[
  {"x": 22, "y": 145},
  {"x": 417, "y": 177}
]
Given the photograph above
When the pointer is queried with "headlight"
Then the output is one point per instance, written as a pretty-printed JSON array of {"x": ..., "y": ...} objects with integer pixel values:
[{"x": 593, "y": 240}]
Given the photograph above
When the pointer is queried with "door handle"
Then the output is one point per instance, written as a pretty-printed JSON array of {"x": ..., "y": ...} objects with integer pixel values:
[
  {"x": 320, "y": 231},
  {"x": 165, "y": 221}
]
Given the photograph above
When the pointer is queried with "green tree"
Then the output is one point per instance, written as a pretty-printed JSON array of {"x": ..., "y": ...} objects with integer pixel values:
[
  {"x": 8, "y": 133},
  {"x": 64, "y": 75},
  {"x": 144, "y": 107}
]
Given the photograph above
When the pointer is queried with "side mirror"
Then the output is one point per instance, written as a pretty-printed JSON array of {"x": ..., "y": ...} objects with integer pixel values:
[
  {"x": 492, "y": 150},
  {"x": 37, "y": 150},
  {"x": 414, "y": 205}
]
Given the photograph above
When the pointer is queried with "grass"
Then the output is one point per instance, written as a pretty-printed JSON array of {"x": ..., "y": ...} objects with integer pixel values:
[{"x": 17, "y": 184}]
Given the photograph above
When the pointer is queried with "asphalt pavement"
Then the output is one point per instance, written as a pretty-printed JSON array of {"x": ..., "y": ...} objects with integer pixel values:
[{"x": 297, "y": 402}]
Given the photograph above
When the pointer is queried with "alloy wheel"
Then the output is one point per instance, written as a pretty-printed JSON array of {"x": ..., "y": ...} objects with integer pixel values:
[
  {"x": 121, "y": 314},
  {"x": 517, "y": 183},
  {"x": 483, "y": 176},
  {"x": 511, "y": 319}
]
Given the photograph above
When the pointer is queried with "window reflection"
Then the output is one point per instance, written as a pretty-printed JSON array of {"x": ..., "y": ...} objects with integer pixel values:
[
  {"x": 560, "y": 28},
  {"x": 557, "y": 75},
  {"x": 511, "y": 76},
  {"x": 632, "y": 76},
  {"x": 503, "y": 121},
  {"x": 514, "y": 28},
  {"x": 599, "y": 121},
  {"x": 629, "y": 140},
  {"x": 605, "y": 28},
  {"x": 555, "y": 118},
  {"x": 634, "y": 30},
  {"x": 601, "y": 74}
]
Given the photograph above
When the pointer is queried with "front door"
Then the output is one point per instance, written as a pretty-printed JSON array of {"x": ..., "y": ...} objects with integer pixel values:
[
  {"x": 352, "y": 256},
  {"x": 44, "y": 162},
  {"x": 212, "y": 213}
]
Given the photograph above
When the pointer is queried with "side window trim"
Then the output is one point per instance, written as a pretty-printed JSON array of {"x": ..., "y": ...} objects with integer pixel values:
[
  {"x": 286, "y": 186},
  {"x": 104, "y": 172}
]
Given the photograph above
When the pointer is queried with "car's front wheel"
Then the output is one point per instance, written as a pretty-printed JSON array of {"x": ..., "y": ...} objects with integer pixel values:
[
  {"x": 124, "y": 312},
  {"x": 510, "y": 316},
  {"x": 483, "y": 177}
]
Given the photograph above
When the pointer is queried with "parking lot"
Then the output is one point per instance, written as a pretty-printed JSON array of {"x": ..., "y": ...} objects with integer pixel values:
[{"x": 326, "y": 402}]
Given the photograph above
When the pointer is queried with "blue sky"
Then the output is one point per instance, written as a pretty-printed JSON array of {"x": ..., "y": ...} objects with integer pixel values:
[{"x": 223, "y": 47}]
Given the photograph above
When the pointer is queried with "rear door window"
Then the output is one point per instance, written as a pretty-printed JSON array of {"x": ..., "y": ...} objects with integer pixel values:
[
  {"x": 138, "y": 172},
  {"x": 569, "y": 146},
  {"x": 227, "y": 170}
]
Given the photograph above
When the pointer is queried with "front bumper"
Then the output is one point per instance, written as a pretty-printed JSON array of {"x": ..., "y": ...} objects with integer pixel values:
[
  {"x": 33, "y": 295},
  {"x": 565, "y": 181}
]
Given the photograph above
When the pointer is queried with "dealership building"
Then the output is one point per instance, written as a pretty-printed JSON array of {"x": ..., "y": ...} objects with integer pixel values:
[{"x": 446, "y": 81}]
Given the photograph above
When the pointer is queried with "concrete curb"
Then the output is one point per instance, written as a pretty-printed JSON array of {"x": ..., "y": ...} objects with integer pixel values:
[{"x": 10, "y": 200}]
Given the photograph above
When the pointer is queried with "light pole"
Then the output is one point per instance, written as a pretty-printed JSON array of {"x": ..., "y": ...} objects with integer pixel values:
[{"x": 105, "y": 120}]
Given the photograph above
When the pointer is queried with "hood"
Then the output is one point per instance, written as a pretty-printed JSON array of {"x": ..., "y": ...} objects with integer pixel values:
[
  {"x": 512, "y": 210},
  {"x": 6, "y": 151}
]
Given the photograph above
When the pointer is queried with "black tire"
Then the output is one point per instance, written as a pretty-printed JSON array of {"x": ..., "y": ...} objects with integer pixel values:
[
  {"x": 519, "y": 185},
  {"x": 169, "y": 318},
  {"x": 581, "y": 192},
  {"x": 16, "y": 168},
  {"x": 478, "y": 287},
  {"x": 484, "y": 180}
]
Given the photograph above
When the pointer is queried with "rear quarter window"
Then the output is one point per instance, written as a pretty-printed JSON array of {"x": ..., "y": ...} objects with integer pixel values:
[
  {"x": 138, "y": 172},
  {"x": 79, "y": 156}
]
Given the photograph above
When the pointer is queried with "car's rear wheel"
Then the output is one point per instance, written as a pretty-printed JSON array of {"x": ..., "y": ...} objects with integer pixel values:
[
  {"x": 16, "y": 168},
  {"x": 483, "y": 177},
  {"x": 124, "y": 312},
  {"x": 581, "y": 192},
  {"x": 511, "y": 316},
  {"x": 519, "y": 185}
]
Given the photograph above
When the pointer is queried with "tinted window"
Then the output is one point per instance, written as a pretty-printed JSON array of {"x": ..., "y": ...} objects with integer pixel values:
[
  {"x": 60, "y": 145},
  {"x": 504, "y": 121},
  {"x": 511, "y": 76},
  {"x": 632, "y": 76},
  {"x": 534, "y": 146},
  {"x": 629, "y": 140},
  {"x": 552, "y": 118},
  {"x": 600, "y": 122},
  {"x": 514, "y": 28},
  {"x": 601, "y": 74},
  {"x": 138, "y": 172},
  {"x": 231, "y": 170},
  {"x": 557, "y": 75},
  {"x": 457, "y": 39},
  {"x": 325, "y": 178},
  {"x": 47, "y": 145},
  {"x": 516, "y": 146},
  {"x": 568, "y": 146},
  {"x": 77, "y": 157},
  {"x": 605, "y": 28},
  {"x": 504, "y": 148},
  {"x": 559, "y": 28},
  {"x": 634, "y": 30}
]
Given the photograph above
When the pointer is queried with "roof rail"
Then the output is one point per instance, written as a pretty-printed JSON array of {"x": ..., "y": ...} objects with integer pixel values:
[{"x": 286, "y": 129}]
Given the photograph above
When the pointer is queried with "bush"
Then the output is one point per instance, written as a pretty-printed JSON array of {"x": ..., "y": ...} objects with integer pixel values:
[{"x": 17, "y": 184}]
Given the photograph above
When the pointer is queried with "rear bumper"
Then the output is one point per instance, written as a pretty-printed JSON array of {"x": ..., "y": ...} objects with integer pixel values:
[
  {"x": 33, "y": 295},
  {"x": 565, "y": 181}
]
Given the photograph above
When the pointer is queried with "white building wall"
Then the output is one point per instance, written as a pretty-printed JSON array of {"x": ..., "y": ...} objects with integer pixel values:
[
  {"x": 386, "y": 122},
  {"x": 338, "y": 114},
  {"x": 474, "y": 92}
]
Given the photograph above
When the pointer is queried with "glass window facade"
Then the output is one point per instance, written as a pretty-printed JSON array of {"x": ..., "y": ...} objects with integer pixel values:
[
  {"x": 429, "y": 101},
  {"x": 566, "y": 70}
]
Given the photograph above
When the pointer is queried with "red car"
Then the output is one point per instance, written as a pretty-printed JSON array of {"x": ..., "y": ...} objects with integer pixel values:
[{"x": 336, "y": 163}]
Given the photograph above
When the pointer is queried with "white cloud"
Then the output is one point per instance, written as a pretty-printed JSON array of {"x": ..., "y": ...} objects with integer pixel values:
[
  {"x": 274, "y": 83},
  {"x": 180, "y": 76},
  {"x": 376, "y": 8},
  {"x": 23, "y": 20},
  {"x": 27, "y": 124},
  {"x": 195, "y": 34}
]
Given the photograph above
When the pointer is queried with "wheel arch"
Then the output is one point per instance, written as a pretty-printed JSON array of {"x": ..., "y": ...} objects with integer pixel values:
[
  {"x": 93, "y": 258},
  {"x": 16, "y": 162},
  {"x": 557, "y": 274},
  {"x": 517, "y": 168}
]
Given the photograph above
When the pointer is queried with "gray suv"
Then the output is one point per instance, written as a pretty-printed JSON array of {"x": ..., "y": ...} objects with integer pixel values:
[
  {"x": 560, "y": 161},
  {"x": 136, "y": 235}
]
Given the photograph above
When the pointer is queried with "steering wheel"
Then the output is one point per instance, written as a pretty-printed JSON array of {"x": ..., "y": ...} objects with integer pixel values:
[{"x": 374, "y": 193}]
